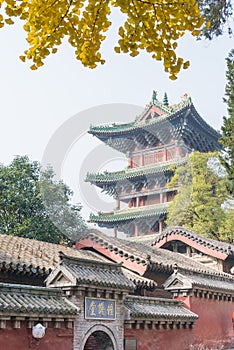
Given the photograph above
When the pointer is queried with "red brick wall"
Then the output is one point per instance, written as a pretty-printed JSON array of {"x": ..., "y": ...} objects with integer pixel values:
[
  {"x": 214, "y": 326},
  {"x": 22, "y": 339},
  {"x": 213, "y": 330},
  {"x": 147, "y": 339}
]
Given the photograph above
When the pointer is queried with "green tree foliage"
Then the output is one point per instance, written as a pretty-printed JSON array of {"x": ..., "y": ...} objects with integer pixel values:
[
  {"x": 227, "y": 139},
  {"x": 219, "y": 14},
  {"x": 201, "y": 202},
  {"x": 33, "y": 205},
  {"x": 154, "y": 26}
]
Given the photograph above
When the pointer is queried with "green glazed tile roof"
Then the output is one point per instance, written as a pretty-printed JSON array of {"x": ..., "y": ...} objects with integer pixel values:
[
  {"x": 19, "y": 299},
  {"x": 134, "y": 172},
  {"x": 167, "y": 112},
  {"x": 179, "y": 122},
  {"x": 130, "y": 214},
  {"x": 155, "y": 308}
]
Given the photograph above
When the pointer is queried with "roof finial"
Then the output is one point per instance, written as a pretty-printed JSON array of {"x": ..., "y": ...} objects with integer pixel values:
[
  {"x": 165, "y": 100},
  {"x": 175, "y": 268},
  {"x": 154, "y": 96}
]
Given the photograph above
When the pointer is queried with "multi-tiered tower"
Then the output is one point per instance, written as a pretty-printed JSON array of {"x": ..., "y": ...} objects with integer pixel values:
[{"x": 155, "y": 143}]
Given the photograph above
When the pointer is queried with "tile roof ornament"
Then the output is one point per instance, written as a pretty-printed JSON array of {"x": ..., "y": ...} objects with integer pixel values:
[
  {"x": 165, "y": 100},
  {"x": 154, "y": 96}
]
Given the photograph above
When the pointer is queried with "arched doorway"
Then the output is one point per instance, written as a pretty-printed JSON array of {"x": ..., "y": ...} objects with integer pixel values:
[{"x": 99, "y": 340}]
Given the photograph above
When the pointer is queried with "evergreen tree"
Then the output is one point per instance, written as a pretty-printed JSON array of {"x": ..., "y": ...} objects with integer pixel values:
[
  {"x": 219, "y": 14},
  {"x": 227, "y": 139},
  {"x": 201, "y": 201},
  {"x": 33, "y": 205}
]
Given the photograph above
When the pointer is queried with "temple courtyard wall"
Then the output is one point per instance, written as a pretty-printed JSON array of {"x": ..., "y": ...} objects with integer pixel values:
[{"x": 21, "y": 338}]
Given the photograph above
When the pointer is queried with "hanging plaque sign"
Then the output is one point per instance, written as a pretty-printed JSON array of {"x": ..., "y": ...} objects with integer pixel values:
[{"x": 96, "y": 308}]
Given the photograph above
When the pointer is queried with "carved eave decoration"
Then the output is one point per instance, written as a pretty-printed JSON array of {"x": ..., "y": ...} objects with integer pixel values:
[
  {"x": 61, "y": 277},
  {"x": 178, "y": 284}
]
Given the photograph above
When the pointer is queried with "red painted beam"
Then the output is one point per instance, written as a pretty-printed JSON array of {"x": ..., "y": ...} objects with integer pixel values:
[
  {"x": 114, "y": 256},
  {"x": 191, "y": 243}
]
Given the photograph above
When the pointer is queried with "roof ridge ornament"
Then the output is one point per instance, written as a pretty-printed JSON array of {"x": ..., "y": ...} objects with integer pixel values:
[
  {"x": 186, "y": 98},
  {"x": 154, "y": 97},
  {"x": 165, "y": 100}
]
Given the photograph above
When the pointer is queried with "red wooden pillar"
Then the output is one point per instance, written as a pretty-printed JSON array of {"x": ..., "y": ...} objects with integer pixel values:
[
  {"x": 136, "y": 230},
  {"x": 161, "y": 197},
  {"x": 160, "y": 226},
  {"x": 115, "y": 232},
  {"x": 117, "y": 204}
]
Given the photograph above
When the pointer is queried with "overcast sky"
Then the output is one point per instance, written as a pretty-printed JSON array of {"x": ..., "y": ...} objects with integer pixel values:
[{"x": 34, "y": 104}]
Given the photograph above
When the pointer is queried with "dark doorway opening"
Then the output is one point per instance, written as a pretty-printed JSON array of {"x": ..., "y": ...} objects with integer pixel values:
[{"x": 99, "y": 340}]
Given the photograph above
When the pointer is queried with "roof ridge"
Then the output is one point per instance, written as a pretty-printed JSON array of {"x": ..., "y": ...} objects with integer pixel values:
[
  {"x": 219, "y": 275},
  {"x": 66, "y": 258},
  {"x": 148, "y": 259},
  {"x": 131, "y": 172},
  {"x": 187, "y": 232}
]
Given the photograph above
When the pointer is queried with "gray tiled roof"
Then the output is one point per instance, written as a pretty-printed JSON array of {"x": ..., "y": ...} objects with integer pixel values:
[
  {"x": 146, "y": 239},
  {"x": 209, "y": 282},
  {"x": 19, "y": 299},
  {"x": 155, "y": 259},
  {"x": 103, "y": 274},
  {"x": 212, "y": 282},
  {"x": 223, "y": 247},
  {"x": 138, "y": 280},
  {"x": 155, "y": 308},
  {"x": 35, "y": 256}
]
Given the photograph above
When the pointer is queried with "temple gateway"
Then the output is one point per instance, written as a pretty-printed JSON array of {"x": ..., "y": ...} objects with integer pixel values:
[
  {"x": 151, "y": 290},
  {"x": 156, "y": 142}
]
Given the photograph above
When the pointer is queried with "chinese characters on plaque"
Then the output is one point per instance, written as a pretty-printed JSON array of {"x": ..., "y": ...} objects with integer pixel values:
[{"x": 99, "y": 308}]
